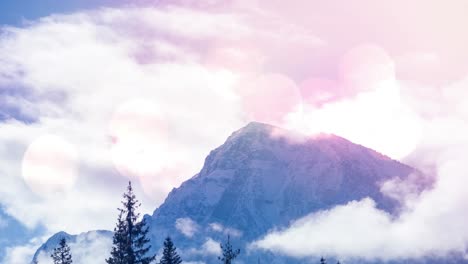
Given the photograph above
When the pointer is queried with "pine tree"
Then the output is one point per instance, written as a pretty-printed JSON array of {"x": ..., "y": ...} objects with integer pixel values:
[
  {"x": 323, "y": 261},
  {"x": 228, "y": 254},
  {"x": 119, "y": 242},
  {"x": 170, "y": 255},
  {"x": 130, "y": 242},
  {"x": 62, "y": 253}
]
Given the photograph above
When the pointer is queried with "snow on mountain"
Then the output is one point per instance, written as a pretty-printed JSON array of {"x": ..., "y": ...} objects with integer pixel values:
[
  {"x": 86, "y": 247},
  {"x": 262, "y": 178}
]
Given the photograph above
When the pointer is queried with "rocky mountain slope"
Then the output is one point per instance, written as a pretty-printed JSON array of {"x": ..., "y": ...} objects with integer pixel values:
[{"x": 263, "y": 178}]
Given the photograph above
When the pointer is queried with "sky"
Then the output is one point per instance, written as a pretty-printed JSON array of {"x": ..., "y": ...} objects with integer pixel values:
[
  {"x": 16, "y": 12},
  {"x": 96, "y": 93}
]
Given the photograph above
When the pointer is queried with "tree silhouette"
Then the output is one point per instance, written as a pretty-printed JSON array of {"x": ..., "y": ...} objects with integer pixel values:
[
  {"x": 228, "y": 253},
  {"x": 170, "y": 255},
  {"x": 119, "y": 242},
  {"x": 130, "y": 244},
  {"x": 61, "y": 254}
]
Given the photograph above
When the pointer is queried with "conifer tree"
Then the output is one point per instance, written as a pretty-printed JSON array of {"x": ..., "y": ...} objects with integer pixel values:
[
  {"x": 61, "y": 254},
  {"x": 170, "y": 255},
  {"x": 323, "y": 261},
  {"x": 228, "y": 253},
  {"x": 130, "y": 242},
  {"x": 119, "y": 242}
]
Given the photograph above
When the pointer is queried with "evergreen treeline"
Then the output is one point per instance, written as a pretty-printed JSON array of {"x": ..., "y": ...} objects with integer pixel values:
[
  {"x": 228, "y": 253},
  {"x": 130, "y": 244},
  {"x": 170, "y": 255},
  {"x": 324, "y": 261}
]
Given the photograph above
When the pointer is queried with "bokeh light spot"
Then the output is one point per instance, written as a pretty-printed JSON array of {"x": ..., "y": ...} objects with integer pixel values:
[
  {"x": 270, "y": 98},
  {"x": 139, "y": 135},
  {"x": 49, "y": 165}
]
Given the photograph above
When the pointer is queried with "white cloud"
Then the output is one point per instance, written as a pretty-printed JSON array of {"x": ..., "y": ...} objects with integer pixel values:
[
  {"x": 72, "y": 73},
  {"x": 217, "y": 227},
  {"x": 369, "y": 108},
  {"x": 21, "y": 254},
  {"x": 211, "y": 247},
  {"x": 78, "y": 70},
  {"x": 91, "y": 247},
  {"x": 186, "y": 226},
  {"x": 431, "y": 224}
]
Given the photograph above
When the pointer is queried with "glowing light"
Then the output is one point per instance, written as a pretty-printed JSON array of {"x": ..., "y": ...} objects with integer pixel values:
[
  {"x": 365, "y": 66},
  {"x": 49, "y": 165},
  {"x": 364, "y": 106},
  {"x": 240, "y": 58},
  {"x": 270, "y": 98},
  {"x": 319, "y": 91},
  {"x": 139, "y": 136},
  {"x": 376, "y": 119}
]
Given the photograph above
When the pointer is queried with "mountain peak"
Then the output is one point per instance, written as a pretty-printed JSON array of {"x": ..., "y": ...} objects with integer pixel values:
[
  {"x": 263, "y": 178},
  {"x": 254, "y": 128},
  {"x": 257, "y": 133},
  {"x": 260, "y": 179},
  {"x": 256, "y": 124}
]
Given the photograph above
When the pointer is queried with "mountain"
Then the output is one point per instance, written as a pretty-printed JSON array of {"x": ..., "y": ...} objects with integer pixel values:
[
  {"x": 262, "y": 178},
  {"x": 91, "y": 246}
]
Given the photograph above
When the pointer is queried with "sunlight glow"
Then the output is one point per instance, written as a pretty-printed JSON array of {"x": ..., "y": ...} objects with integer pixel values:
[
  {"x": 49, "y": 165},
  {"x": 139, "y": 135},
  {"x": 366, "y": 105}
]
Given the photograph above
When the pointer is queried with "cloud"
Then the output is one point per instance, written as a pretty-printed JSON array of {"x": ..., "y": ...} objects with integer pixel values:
[
  {"x": 365, "y": 105},
  {"x": 211, "y": 247},
  {"x": 92, "y": 80},
  {"x": 186, "y": 226},
  {"x": 23, "y": 253},
  {"x": 431, "y": 224},
  {"x": 217, "y": 227},
  {"x": 91, "y": 247},
  {"x": 75, "y": 74},
  {"x": 20, "y": 254}
]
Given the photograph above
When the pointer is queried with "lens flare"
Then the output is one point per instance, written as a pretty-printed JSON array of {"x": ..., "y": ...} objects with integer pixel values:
[
  {"x": 365, "y": 67},
  {"x": 49, "y": 165},
  {"x": 139, "y": 137},
  {"x": 319, "y": 91},
  {"x": 270, "y": 98},
  {"x": 364, "y": 105}
]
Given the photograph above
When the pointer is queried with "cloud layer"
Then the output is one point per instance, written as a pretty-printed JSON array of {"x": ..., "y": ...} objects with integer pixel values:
[{"x": 432, "y": 223}]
